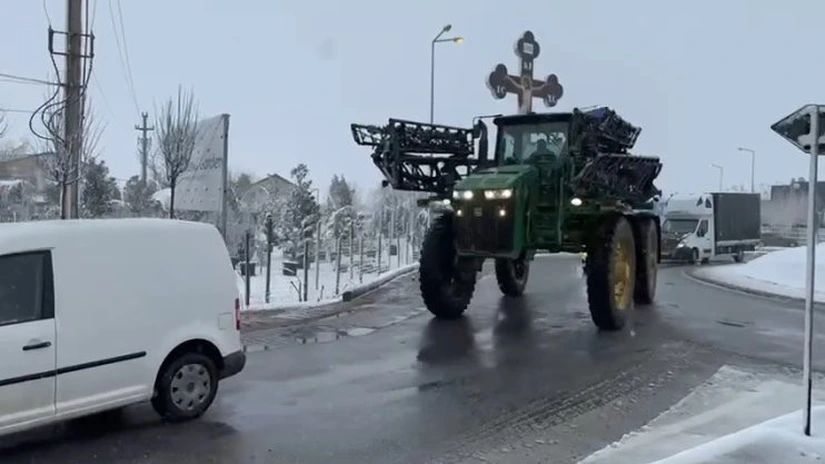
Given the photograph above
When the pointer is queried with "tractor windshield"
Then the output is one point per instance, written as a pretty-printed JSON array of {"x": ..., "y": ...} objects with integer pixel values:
[{"x": 520, "y": 143}]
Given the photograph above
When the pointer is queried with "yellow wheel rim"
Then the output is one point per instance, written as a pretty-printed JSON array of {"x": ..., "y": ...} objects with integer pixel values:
[{"x": 622, "y": 273}]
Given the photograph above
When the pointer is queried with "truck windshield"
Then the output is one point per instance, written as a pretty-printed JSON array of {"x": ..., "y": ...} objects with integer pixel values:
[
  {"x": 520, "y": 143},
  {"x": 680, "y": 226}
]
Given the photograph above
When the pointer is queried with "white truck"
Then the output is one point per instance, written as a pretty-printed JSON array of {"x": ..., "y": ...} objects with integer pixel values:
[{"x": 697, "y": 228}]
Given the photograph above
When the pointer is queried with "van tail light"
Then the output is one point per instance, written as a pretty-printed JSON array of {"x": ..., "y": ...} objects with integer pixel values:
[{"x": 237, "y": 314}]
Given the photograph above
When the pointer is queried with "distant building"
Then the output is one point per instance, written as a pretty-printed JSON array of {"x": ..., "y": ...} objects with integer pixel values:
[
  {"x": 24, "y": 181},
  {"x": 30, "y": 168},
  {"x": 787, "y": 205},
  {"x": 271, "y": 186}
]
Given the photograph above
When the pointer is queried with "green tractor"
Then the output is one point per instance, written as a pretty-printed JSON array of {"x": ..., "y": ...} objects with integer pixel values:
[{"x": 558, "y": 182}]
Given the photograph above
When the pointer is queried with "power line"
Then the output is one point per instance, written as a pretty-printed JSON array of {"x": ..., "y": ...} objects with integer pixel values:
[
  {"x": 14, "y": 110},
  {"x": 27, "y": 80},
  {"x": 124, "y": 67}
]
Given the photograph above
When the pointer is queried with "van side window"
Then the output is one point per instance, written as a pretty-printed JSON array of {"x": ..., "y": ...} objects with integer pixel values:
[{"x": 26, "y": 287}]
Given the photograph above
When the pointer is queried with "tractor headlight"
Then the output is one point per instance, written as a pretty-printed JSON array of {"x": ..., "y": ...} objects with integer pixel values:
[
  {"x": 498, "y": 194},
  {"x": 462, "y": 194},
  {"x": 576, "y": 201}
]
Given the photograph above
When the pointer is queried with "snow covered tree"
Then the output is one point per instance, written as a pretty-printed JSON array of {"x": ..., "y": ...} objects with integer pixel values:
[
  {"x": 4, "y": 126},
  {"x": 138, "y": 196},
  {"x": 340, "y": 206},
  {"x": 99, "y": 189},
  {"x": 177, "y": 130},
  {"x": 300, "y": 214}
]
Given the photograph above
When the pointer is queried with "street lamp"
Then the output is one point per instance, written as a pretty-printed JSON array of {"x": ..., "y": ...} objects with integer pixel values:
[
  {"x": 753, "y": 164},
  {"x": 436, "y": 40},
  {"x": 721, "y": 174}
]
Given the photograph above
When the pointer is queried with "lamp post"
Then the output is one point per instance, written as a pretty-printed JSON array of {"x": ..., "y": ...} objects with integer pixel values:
[
  {"x": 721, "y": 174},
  {"x": 436, "y": 40},
  {"x": 753, "y": 164}
]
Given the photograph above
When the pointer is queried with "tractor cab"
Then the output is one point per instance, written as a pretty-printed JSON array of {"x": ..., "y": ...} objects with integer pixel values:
[
  {"x": 541, "y": 143},
  {"x": 532, "y": 138}
]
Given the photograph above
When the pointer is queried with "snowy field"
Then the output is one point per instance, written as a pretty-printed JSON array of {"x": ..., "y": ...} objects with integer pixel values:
[
  {"x": 779, "y": 272},
  {"x": 737, "y": 416},
  {"x": 284, "y": 290}
]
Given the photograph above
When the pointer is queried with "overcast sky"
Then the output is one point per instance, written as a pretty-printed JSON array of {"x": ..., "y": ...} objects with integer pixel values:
[{"x": 702, "y": 78}]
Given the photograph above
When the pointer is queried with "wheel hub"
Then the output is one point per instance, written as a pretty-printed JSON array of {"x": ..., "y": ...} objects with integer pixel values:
[
  {"x": 190, "y": 386},
  {"x": 621, "y": 274}
]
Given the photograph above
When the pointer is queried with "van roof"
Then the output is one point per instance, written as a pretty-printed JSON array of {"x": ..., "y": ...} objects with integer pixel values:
[{"x": 18, "y": 236}]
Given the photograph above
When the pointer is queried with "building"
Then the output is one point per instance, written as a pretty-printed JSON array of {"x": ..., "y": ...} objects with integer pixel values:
[
  {"x": 787, "y": 205},
  {"x": 31, "y": 168},
  {"x": 24, "y": 181}
]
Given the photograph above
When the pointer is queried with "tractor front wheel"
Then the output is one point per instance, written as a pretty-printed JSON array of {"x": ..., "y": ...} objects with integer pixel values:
[
  {"x": 447, "y": 281},
  {"x": 611, "y": 276},
  {"x": 512, "y": 275}
]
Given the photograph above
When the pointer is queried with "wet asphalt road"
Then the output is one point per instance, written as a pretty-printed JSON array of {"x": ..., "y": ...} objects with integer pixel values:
[{"x": 517, "y": 380}]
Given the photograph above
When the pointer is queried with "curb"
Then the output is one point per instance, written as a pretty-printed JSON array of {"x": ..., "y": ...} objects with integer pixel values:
[
  {"x": 361, "y": 290},
  {"x": 738, "y": 288}
]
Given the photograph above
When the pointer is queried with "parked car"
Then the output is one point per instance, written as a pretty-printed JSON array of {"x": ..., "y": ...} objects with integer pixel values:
[{"x": 101, "y": 314}]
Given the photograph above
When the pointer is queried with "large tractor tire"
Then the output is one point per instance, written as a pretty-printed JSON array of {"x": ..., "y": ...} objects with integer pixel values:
[
  {"x": 611, "y": 276},
  {"x": 447, "y": 282},
  {"x": 512, "y": 275},
  {"x": 647, "y": 261}
]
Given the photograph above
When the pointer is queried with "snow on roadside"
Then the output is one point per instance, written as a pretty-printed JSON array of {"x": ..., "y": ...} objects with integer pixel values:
[
  {"x": 731, "y": 400},
  {"x": 779, "y": 272},
  {"x": 284, "y": 290},
  {"x": 778, "y": 440}
]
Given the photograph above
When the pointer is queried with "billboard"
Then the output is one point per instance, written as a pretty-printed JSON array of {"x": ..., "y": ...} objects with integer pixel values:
[{"x": 201, "y": 187}]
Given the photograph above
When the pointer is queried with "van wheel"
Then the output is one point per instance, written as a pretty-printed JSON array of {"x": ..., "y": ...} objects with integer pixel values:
[{"x": 186, "y": 387}]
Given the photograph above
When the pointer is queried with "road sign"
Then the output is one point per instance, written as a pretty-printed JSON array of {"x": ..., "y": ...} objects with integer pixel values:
[
  {"x": 796, "y": 128},
  {"x": 524, "y": 85},
  {"x": 803, "y": 128}
]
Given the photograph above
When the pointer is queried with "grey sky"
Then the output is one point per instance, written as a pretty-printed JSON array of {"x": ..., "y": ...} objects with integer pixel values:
[{"x": 701, "y": 78}]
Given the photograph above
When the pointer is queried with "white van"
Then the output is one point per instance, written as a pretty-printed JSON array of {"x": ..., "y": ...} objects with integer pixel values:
[{"x": 100, "y": 314}]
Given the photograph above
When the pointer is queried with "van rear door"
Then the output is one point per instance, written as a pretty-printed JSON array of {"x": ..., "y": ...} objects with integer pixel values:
[{"x": 27, "y": 338}]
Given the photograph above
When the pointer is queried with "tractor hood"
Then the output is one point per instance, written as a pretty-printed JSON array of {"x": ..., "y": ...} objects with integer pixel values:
[{"x": 501, "y": 177}]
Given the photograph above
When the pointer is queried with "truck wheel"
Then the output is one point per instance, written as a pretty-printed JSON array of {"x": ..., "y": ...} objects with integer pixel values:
[
  {"x": 694, "y": 256},
  {"x": 647, "y": 262},
  {"x": 611, "y": 275},
  {"x": 447, "y": 282},
  {"x": 185, "y": 387},
  {"x": 739, "y": 256},
  {"x": 512, "y": 275}
]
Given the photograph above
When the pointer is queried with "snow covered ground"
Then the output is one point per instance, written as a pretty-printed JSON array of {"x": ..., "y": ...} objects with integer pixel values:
[
  {"x": 778, "y": 272},
  {"x": 724, "y": 421},
  {"x": 284, "y": 290}
]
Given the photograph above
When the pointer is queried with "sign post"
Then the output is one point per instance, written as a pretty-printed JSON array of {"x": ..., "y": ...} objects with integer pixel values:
[
  {"x": 804, "y": 130},
  {"x": 524, "y": 85}
]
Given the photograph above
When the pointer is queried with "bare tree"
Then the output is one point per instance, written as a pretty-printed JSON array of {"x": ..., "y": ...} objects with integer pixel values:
[
  {"x": 4, "y": 125},
  {"x": 60, "y": 165},
  {"x": 177, "y": 130}
]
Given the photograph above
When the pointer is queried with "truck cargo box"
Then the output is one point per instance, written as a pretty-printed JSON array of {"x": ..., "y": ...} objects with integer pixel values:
[{"x": 736, "y": 217}]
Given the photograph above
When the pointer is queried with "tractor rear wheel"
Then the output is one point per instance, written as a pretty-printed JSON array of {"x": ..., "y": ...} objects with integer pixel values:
[
  {"x": 647, "y": 261},
  {"x": 611, "y": 276},
  {"x": 447, "y": 282},
  {"x": 512, "y": 275}
]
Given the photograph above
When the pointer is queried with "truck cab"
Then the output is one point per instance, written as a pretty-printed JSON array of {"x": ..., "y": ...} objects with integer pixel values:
[{"x": 700, "y": 227}]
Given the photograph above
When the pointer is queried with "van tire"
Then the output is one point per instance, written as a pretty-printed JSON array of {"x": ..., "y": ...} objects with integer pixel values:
[{"x": 172, "y": 406}]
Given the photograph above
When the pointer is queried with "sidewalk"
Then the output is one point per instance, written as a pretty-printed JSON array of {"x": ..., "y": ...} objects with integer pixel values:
[{"x": 729, "y": 404}]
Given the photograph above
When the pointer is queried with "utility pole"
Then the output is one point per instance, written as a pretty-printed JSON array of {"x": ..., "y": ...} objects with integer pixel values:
[
  {"x": 73, "y": 117},
  {"x": 144, "y": 145}
]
